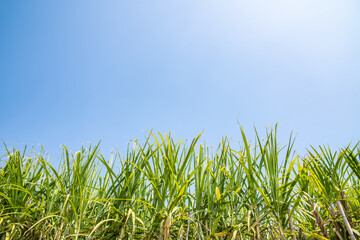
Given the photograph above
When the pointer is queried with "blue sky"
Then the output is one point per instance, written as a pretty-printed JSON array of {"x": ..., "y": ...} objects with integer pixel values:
[{"x": 74, "y": 72}]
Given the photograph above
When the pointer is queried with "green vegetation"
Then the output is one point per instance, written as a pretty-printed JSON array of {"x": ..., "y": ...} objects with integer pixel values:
[{"x": 167, "y": 189}]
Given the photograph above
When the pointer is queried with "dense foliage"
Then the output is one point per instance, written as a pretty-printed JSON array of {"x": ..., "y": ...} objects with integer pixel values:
[{"x": 167, "y": 189}]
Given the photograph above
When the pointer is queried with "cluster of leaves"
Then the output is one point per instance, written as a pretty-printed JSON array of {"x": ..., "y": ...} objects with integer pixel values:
[{"x": 168, "y": 189}]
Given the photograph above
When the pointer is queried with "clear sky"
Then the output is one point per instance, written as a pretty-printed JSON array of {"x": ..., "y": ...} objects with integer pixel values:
[{"x": 74, "y": 72}]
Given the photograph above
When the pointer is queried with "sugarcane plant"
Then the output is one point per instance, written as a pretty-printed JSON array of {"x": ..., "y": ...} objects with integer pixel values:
[{"x": 164, "y": 188}]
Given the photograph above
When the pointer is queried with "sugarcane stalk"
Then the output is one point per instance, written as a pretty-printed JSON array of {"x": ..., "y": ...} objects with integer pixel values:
[
  {"x": 257, "y": 228},
  {"x": 346, "y": 222},
  {"x": 319, "y": 220},
  {"x": 337, "y": 228},
  {"x": 301, "y": 235},
  {"x": 292, "y": 228},
  {"x": 345, "y": 205},
  {"x": 188, "y": 228},
  {"x": 166, "y": 229}
]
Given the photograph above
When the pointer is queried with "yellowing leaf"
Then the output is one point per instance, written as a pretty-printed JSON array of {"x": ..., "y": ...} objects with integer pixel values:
[{"x": 218, "y": 194}]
